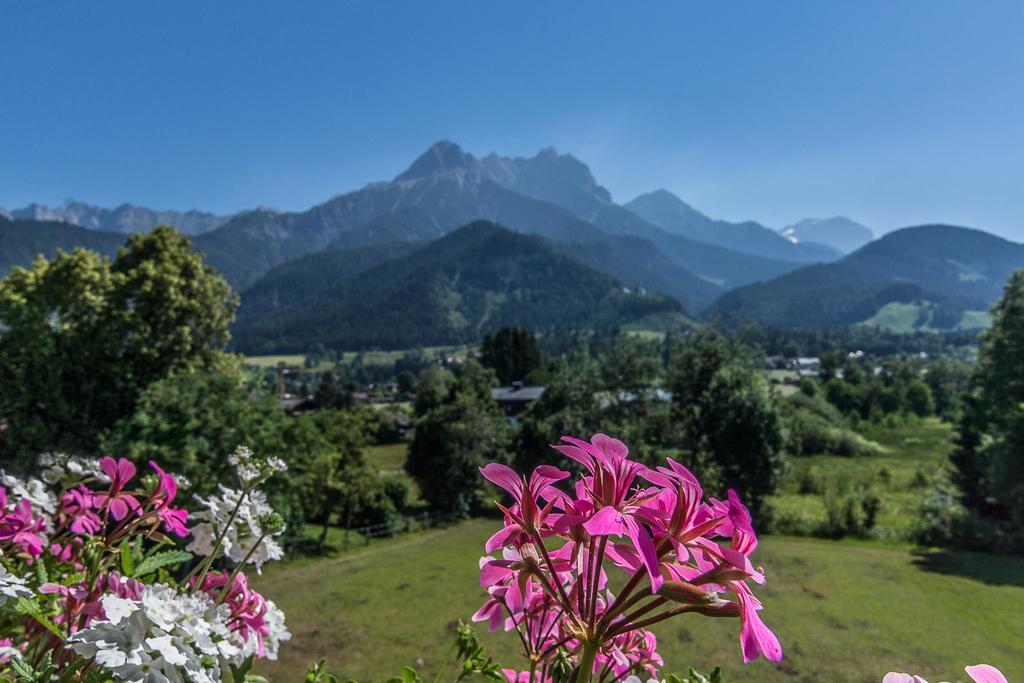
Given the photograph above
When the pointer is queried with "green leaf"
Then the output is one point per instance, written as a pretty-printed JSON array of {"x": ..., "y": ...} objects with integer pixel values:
[
  {"x": 161, "y": 560},
  {"x": 32, "y": 609},
  {"x": 127, "y": 562},
  {"x": 41, "y": 573}
]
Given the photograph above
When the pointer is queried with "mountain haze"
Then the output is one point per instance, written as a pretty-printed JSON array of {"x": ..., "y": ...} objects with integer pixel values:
[
  {"x": 125, "y": 219},
  {"x": 667, "y": 211}
]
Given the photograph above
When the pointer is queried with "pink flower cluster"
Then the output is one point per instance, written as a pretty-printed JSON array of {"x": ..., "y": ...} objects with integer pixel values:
[
  {"x": 20, "y": 529},
  {"x": 81, "y": 603},
  {"x": 682, "y": 553},
  {"x": 249, "y": 610},
  {"x": 116, "y": 511}
]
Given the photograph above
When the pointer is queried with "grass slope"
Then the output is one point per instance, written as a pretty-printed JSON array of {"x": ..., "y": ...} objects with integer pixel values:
[
  {"x": 844, "y": 611},
  {"x": 904, "y": 318}
]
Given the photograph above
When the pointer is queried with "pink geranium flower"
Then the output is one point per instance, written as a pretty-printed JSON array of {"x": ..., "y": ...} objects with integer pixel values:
[
  {"x": 79, "y": 505},
  {"x": 20, "y": 528},
  {"x": 118, "y": 501},
  {"x": 979, "y": 673},
  {"x": 682, "y": 552},
  {"x": 175, "y": 520}
]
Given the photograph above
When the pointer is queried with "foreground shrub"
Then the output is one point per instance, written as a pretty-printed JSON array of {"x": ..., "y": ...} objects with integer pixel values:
[{"x": 88, "y": 587}]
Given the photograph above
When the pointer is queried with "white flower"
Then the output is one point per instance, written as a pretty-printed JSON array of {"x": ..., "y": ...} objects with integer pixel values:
[
  {"x": 12, "y": 587},
  {"x": 241, "y": 455},
  {"x": 277, "y": 464},
  {"x": 58, "y": 467},
  {"x": 247, "y": 472},
  {"x": 164, "y": 637},
  {"x": 244, "y": 531},
  {"x": 43, "y": 502},
  {"x": 277, "y": 631}
]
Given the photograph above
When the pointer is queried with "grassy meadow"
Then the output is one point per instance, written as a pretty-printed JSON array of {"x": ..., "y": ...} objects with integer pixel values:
[
  {"x": 910, "y": 457},
  {"x": 844, "y": 611},
  {"x": 369, "y": 357}
]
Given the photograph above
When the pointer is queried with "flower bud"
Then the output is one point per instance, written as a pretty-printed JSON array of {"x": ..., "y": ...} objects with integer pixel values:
[
  {"x": 687, "y": 593},
  {"x": 271, "y": 524}
]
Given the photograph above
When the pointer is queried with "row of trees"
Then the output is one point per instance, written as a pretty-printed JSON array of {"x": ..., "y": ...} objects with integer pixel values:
[{"x": 721, "y": 418}]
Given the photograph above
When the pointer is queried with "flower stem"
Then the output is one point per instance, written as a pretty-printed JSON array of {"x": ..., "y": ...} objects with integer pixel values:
[{"x": 585, "y": 670}]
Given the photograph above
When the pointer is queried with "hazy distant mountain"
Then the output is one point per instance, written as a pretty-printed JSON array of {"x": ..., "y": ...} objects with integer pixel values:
[
  {"x": 445, "y": 188},
  {"x": 124, "y": 219},
  {"x": 667, "y": 211},
  {"x": 940, "y": 276},
  {"x": 837, "y": 232},
  {"x": 449, "y": 291},
  {"x": 415, "y": 209},
  {"x": 21, "y": 241}
]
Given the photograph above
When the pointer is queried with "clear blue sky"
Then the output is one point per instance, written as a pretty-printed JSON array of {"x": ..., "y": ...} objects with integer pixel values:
[{"x": 891, "y": 112}]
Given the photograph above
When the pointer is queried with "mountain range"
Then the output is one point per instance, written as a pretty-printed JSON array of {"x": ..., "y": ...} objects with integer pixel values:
[
  {"x": 450, "y": 291},
  {"x": 552, "y": 195},
  {"x": 297, "y": 269},
  {"x": 125, "y": 219},
  {"x": 21, "y": 241},
  {"x": 944, "y": 277}
]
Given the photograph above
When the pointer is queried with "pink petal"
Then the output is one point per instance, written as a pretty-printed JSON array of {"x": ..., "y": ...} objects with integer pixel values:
[
  {"x": 109, "y": 466},
  {"x": 607, "y": 522},
  {"x": 118, "y": 509},
  {"x": 500, "y": 538},
  {"x": 756, "y": 638},
  {"x": 125, "y": 470},
  {"x": 610, "y": 446},
  {"x": 983, "y": 673},
  {"x": 643, "y": 542},
  {"x": 505, "y": 477}
]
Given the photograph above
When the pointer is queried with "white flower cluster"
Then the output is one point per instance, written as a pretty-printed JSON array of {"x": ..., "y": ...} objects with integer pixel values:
[
  {"x": 244, "y": 532},
  {"x": 166, "y": 636},
  {"x": 249, "y": 468},
  {"x": 57, "y": 467},
  {"x": 12, "y": 587}
]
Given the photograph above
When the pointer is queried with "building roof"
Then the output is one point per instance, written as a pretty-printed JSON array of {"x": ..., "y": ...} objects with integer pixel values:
[{"x": 516, "y": 392}]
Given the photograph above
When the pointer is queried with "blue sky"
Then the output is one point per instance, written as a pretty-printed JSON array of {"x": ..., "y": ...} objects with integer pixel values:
[{"x": 892, "y": 112}]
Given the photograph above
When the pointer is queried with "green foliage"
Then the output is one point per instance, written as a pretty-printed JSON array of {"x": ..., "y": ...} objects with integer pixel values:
[
  {"x": 814, "y": 426},
  {"x": 989, "y": 459},
  {"x": 724, "y": 418},
  {"x": 869, "y": 392},
  {"x": 569, "y": 405},
  {"x": 455, "y": 437},
  {"x": 511, "y": 352},
  {"x": 83, "y": 337},
  {"x": 948, "y": 381}
]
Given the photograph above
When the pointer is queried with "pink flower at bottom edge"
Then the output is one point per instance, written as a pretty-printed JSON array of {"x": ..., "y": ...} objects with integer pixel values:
[{"x": 979, "y": 673}]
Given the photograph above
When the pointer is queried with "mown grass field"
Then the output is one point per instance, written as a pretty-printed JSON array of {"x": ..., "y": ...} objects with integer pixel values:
[
  {"x": 844, "y": 611},
  {"x": 369, "y": 357}
]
